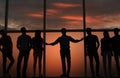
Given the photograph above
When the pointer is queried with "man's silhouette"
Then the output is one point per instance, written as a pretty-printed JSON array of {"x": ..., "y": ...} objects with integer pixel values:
[
  {"x": 116, "y": 48},
  {"x": 37, "y": 43},
  {"x": 6, "y": 48},
  {"x": 64, "y": 41},
  {"x": 24, "y": 46},
  {"x": 92, "y": 45},
  {"x": 106, "y": 52}
]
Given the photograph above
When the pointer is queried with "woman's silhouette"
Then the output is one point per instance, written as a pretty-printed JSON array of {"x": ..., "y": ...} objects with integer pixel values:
[
  {"x": 106, "y": 52},
  {"x": 37, "y": 43}
]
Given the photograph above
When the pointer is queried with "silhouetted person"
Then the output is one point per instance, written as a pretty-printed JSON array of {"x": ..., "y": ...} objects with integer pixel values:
[
  {"x": 6, "y": 48},
  {"x": 37, "y": 43},
  {"x": 106, "y": 52},
  {"x": 92, "y": 45},
  {"x": 116, "y": 48},
  {"x": 64, "y": 41},
  {"x": 24, "y": 46}
]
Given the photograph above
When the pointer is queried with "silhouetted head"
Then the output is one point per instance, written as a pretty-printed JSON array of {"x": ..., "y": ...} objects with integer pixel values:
[
  {"x": 106, "y": 34},
  {"x": 116, "y": 30},
  {"x": 88, "y": 30},
  {"x": 2, "y": 32},
  {"x": 63, "y": 31},
  {"x": 37, "y": 33},
  {"x": 23, "y": 30}
]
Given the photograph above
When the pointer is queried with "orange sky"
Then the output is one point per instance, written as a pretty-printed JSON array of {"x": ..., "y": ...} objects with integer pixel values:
[{"x": 53, "y": 62}]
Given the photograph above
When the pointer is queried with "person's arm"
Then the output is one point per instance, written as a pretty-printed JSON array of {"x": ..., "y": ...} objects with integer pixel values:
[
  {"x": 42, "y": 43},
  {"x": 53, "y": 43},
  {"x": 86, "y": 46},
  {"x": 75, "y": 40},
  {"x": 18, "y": 43},
  {"x": 0, "y": 46},
  {"x": 30, "y": 43},
  {"x": 98, "y": 44},
  {"x": 11, "y": 44},
  {"x": 102, "y": 45}
]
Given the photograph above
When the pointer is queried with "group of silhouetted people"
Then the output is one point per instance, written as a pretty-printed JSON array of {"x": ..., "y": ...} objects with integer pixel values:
[
  {"x": 109, "y": 47},
  {"x": 24, "y": 44}
]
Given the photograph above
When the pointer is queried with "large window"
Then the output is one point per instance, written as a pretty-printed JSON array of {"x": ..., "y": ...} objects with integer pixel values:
[{"x": 50, "y": 16}]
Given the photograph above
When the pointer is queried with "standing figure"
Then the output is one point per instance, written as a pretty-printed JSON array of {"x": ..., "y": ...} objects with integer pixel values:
[
  {"x": 116, "y": 48},
  {"x": 64, "y": 41},
  {"x": 92, "y": 45},
  {"x": 6, "y": 47},
  {"x": 106, "y": 52},
  {"x": 24, "y": 46},
  {"x": 37, "y": 43}
]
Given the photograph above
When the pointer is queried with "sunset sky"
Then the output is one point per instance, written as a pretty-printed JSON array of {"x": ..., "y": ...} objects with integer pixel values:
[{"x": 61, "y": 13}]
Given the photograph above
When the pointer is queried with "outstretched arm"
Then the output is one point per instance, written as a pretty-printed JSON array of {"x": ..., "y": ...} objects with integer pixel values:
[
  {"x": 76, "y": 40},
  {"x": 98, "y": 44},
  {"x": 53, "y": 43}
]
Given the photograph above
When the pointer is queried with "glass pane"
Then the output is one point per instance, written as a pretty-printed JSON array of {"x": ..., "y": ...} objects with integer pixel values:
[
  {"x": 53, "y": 59},
  {"x": 25, "y": 13},
  {"x": 2, "y": 13},
  {"x": 64, "y": 13},
  {"x": 103, "y": 13}
]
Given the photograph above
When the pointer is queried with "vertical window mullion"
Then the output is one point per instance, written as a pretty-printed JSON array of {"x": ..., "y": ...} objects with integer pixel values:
[
  {"x": 84, "y": 30},
  {"x": 44, "y": 34},
  {"x": 6, "y": 14}
]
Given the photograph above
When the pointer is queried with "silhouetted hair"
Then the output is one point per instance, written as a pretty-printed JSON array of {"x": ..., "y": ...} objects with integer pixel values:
[
  {"x": 106, "y": 34},
  {"x": 116, "y": 29},
  {"x": 2, "y": 32},
  {"x": 37, "y": 32},
  {"x": 88, "y": 29},
  {"x": 63, "y": 30},
  {"x": 23, "y": 29}
]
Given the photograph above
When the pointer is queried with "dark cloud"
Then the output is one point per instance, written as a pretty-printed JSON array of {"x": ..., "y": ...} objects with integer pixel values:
[{"x": 99, "y": 7}]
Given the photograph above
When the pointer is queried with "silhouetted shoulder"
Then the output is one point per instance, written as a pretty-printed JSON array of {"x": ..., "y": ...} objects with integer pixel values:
[{"x": 91, "y": 38}]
